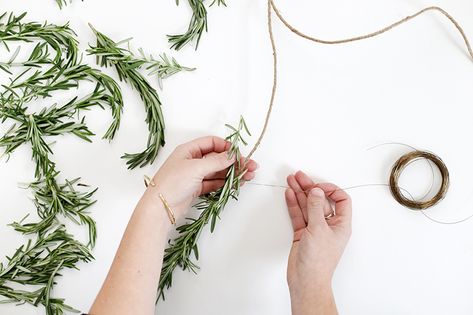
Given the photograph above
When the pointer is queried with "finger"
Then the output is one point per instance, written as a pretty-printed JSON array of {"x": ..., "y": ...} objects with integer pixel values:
[
  {"x": 214, "y": 163},
  {"x": 252, "y": 166},
  {"x": 295, "y": 212},
  {"x": 343, "y": 204},
  {"x": 307, "y": 184},
  {"x": 304, "y": 181},
  {"x": 216, "y": 175},
  {"x": 202, "y": 146},
  {"x": 249, "y": 176},
  {"x": 315, "y": 208},
  {"x": 300, "y": 194},
  {"x": 209, "y": 186},
  {"x": 293, "y": 183}
]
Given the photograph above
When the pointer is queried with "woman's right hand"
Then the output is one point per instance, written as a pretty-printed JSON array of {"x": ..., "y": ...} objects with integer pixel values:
[
  {"x": 193, "y": 169},
  {"x": 320, "y": 237}
]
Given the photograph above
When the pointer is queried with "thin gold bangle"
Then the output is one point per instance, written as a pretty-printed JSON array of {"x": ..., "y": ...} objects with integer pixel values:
[
  {"x": 168, "y": 209},
  {"x": 149, "y": 182}
]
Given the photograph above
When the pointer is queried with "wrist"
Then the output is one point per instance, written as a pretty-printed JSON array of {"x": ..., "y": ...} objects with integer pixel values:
[
  {"x": 311, "y": 300},
  {"x": 310, "y": 290},
  {"x": 309, "y": 281},
  {"x": 152, "y": 207},
  {"x": 168, "y": 189}
]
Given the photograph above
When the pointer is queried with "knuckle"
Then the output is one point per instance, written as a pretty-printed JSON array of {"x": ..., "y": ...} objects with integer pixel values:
[
  {"x": 179, "y": 148},
  {"x": 316, "y": 202}
]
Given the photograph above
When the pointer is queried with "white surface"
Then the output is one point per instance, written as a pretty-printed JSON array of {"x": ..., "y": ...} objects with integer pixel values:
[{"x": 412, "y": 85}]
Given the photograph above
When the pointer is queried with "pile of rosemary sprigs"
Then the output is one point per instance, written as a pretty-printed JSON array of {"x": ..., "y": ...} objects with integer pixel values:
[{"x": 54, "y": 65}]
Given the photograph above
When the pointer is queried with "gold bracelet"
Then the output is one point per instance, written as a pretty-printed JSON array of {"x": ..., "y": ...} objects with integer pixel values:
[
  {"x": 168, "y": 209},
  {"x": 149, "y": 182}
]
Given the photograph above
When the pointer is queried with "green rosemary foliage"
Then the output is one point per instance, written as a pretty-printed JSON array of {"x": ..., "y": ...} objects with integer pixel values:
[
  {"x": 110, "y": 95},
  {"x": 61, "y": 38},
  {"x": 163, "y": 68},
  {"x": 197, "y": 24},
  {"x": 50, "y": 120},
  {"x": 51, "y": 67},
  {"x": 38, "y": 57},
  {"x": 63, "y": 73},
  {"x": 110, "y": 54},
  {"x": 52, "y": 199},
  {"x": 62, "y": 3},
  {"x": 38, "y": 264},
  {"x": 211, "y": 205}
]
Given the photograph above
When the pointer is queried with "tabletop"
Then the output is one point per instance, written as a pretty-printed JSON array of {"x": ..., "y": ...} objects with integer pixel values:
[{"x": 334, "y": 103}]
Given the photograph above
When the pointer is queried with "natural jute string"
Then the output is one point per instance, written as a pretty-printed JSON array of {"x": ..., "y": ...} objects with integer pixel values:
[{"x": 403, "y": 161}]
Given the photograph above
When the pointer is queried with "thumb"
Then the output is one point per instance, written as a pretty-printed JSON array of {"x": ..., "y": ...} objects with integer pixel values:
[
  {"x": 315, "y": 207},
  {"x": 213, "y": 163}
]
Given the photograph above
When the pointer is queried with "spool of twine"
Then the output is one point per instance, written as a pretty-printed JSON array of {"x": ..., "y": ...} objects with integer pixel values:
[{"x": 399, "y": 167}]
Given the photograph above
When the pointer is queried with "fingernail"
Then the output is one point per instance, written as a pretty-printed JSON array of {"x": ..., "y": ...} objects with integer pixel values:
[{"x": 317, "y": 192}]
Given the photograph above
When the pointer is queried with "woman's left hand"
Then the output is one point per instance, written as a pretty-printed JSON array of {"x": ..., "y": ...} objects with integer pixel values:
[{"x": 196, "y": 168}]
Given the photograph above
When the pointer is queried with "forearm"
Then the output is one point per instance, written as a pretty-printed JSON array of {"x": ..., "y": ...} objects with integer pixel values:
[
  {"x": 131, "y": 285},
  {"x": 317, "y": 301}
]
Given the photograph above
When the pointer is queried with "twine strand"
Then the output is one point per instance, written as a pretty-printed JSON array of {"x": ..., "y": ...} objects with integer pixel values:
[
  {"x": 375, "y": 33},
  {"x": 272, "y": 7}
]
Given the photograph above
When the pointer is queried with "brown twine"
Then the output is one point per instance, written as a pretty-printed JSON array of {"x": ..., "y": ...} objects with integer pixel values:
[
  {"x": 376, "y": 33},
  {"x": 272, "y": 6},
  {"x": 404, "y": 160}
]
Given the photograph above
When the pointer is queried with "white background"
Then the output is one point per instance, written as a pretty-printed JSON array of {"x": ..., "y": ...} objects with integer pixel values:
[{"x": 412, "y": 85}]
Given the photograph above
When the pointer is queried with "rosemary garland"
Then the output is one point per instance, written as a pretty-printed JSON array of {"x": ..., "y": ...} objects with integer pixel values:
[
  {"x": 210, "y": 206},
  {"x": 52, "y": 66},
  {"x": 197, "y": 25},
  {"x": 127, "y": 65}
]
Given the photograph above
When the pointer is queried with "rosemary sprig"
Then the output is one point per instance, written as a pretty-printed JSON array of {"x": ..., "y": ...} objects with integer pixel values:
[
  {"x": 110, "y": 54},
  {"x": 211, "y": 205},
  {"x": 197, "y": 24},
  {"x": 52, "y": 198},
  {"x": 61, "y": 38},
  {"x": 162, "y": 68},
  {"x": 38, "y": 264},
  {"x": 39, "y": 56}
]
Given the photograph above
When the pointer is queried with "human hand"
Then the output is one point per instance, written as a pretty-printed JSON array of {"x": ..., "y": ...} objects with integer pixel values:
[
  {"x": 193, "y": 169},
  {"x": 318, "y": 242}
]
